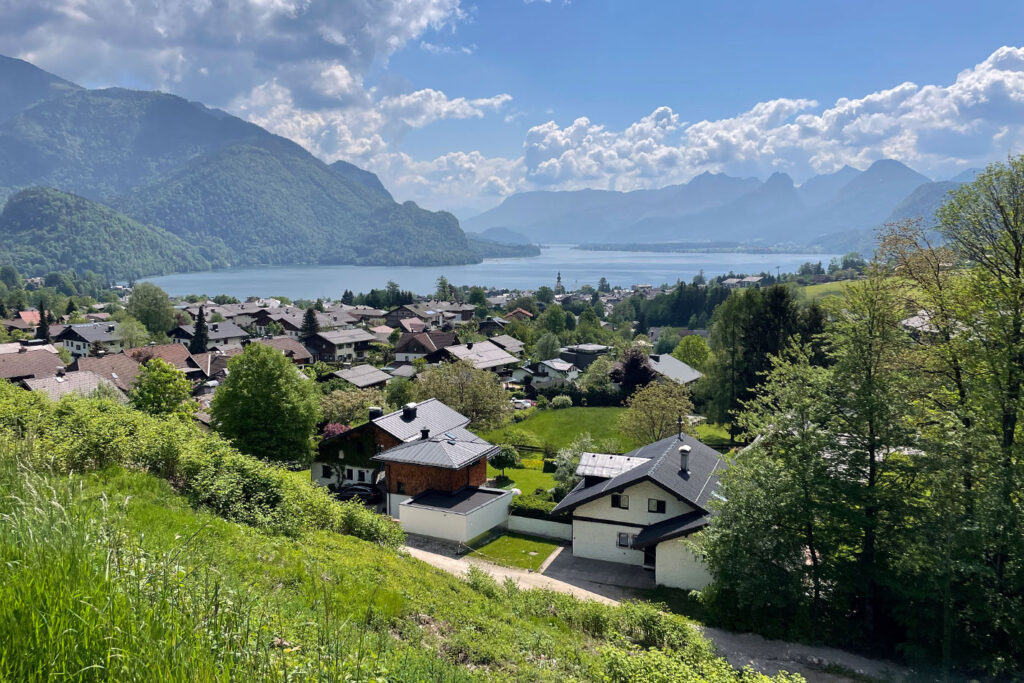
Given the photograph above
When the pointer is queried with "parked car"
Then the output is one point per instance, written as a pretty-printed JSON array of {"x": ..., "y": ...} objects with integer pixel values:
[
  {"x": 364, "y": 492},
  {"x": 523, "y": 403}
]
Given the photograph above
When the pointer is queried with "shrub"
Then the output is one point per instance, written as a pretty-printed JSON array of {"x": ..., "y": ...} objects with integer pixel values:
[
  {"x": 560, "y": 402},
  {"x": 535, "y": 507},
  {"x": 542, "y": 402}
]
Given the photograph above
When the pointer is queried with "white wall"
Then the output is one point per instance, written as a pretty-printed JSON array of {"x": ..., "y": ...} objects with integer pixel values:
[
  {"x": 676, "y": 566},
  {"x": 316, "y": 474},
  {"x": 453, "y": 526},
  {"x": 493, "y": 513},
  {"x": 599, "y": 542},
  {"x": 637, "y": 512},
  {"x": 540, "y": 527},
  {"x": 395, "y": 501},
  {"x": 435, "y": 523}
]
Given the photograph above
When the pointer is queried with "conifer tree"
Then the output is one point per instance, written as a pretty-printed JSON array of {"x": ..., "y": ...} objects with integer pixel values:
[
  {"x": 201, "y": 337},
  {"x": 310, "y": 325}
]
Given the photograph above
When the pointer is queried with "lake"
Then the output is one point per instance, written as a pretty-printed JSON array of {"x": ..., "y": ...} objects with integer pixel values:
[{"x": 578, "y": 267}]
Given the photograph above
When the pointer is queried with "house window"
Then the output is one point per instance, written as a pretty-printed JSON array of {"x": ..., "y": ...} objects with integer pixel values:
[
  {"x": 655, "y": 505},
  {"x": 362, "y": 475},
  {"x": 400, "y": 487},
  {"x": 623, "y": 540},
  {"x": 348, "y": 472},
  {"x": 620, "y": 501},
  {"x": 326, "y": 472}
]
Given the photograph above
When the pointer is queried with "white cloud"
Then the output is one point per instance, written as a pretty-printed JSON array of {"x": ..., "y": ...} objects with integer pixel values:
[{"x": 436, "y": 49}]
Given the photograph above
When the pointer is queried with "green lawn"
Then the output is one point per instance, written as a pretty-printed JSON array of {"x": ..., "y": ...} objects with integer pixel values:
[
  {"x": 514, "y": 550},
  {"x": 715, "y": 435},
  {"x": 526, "y": 479},
  {"x": 558, "y": 428}
]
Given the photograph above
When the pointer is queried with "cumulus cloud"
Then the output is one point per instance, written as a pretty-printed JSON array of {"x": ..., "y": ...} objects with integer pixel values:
[
  {"x": 936, "y": 129},
  {"x": 301, "y": 68}
]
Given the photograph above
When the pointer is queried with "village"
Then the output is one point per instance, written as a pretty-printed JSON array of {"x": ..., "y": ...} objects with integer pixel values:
[{"x": 423, "y": 463}]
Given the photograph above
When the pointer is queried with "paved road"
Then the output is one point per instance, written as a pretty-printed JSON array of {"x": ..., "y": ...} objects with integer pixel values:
[{"x": 739, "y": 649}]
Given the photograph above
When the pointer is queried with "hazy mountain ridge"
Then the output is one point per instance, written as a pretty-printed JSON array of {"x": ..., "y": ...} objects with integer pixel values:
[
  {"x": 235, "y": 192},
  {"x": 43, "y": 229},
  {"x": 839, "y": 208}
]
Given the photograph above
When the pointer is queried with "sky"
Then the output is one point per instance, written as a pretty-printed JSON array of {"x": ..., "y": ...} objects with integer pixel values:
[{"x": 457, "y": 104}]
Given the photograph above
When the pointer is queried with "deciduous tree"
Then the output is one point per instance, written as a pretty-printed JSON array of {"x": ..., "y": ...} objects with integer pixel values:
[
  {"x": 477, "y": 394},
  {"x": 266, "y": 407},
  {"x": 654, "y": 412},
  {"x": 162, "y": 389}
]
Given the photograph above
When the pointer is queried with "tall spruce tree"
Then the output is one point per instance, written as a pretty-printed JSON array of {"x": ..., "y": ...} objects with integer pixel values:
[
  {"x": 201, "y": 337},
  {"x": 43, "y": 328},
  {"x": 310, "y": 325}
]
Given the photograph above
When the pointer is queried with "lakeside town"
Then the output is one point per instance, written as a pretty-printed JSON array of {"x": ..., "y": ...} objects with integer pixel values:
[{"x": 423, "y": 462}]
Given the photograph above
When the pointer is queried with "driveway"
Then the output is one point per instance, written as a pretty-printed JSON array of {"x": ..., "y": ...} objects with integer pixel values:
[{"x": 610, "y": 583}]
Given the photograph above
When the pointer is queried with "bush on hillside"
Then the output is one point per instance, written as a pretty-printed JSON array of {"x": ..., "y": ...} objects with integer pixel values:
[
  {"x": 560, "y": 402},
  {"x": 81, "y": 435}
]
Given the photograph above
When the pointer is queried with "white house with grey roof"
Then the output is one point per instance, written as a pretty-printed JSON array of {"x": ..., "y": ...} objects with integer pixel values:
[{"x": 638, "y": 508}]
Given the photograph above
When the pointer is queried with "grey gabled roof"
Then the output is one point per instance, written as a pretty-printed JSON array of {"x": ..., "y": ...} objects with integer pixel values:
[
  {"x": 451, "y": 450},
  {"x": 671, "y": 367},
  {"x": 337, "y": 337},
  {"x": 225, "y": 330},
  {"x": 363, "y": 376},
  {"x": 507, "y": 342},
  {"x": 482, "y": 355},
  {"x": 431, "y": 414},
  {"x": 92, "y": 332},
  {"x": 695, "y": 487}
]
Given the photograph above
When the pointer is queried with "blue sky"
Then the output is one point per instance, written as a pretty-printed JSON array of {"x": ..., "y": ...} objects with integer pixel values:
[
  {"x": 458, "y": 104},
  {"x": 617, "y": 61}
]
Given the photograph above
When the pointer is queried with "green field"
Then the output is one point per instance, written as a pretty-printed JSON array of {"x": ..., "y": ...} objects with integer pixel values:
[
  {"x": 556, "y": 429},
  {"x": 513, "y": 550},
  {"x": 825, "y": 289}
]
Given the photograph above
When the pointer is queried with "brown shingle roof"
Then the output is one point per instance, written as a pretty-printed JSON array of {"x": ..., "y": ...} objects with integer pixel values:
[
  {"x": 290, "y": 347},
  {"x": 35, "y": 363},
  {"x": 119, "y": 368},
  {"x": 175, "y": 354},
  {"x": 431, "y": 341},
  {"x": 82, "y": 382}
]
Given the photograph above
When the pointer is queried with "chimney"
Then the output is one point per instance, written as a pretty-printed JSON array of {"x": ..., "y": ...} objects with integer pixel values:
[
  {"x": 215, "y": 326},
  {"x": 60, "y": 370},
  {"x": 22, "y": 349},
  {"x": 110, "y": 328},
  {"x": 684, "y": 460},
  {"x": 409, "y": 411},
  {"x": 424, "y": 433},
  {"x": 375, "y": 412},
  {"x": 469, "y": 345}
]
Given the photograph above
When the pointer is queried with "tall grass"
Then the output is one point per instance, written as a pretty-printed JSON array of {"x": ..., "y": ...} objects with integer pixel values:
[{"x": 81, "y": 599}]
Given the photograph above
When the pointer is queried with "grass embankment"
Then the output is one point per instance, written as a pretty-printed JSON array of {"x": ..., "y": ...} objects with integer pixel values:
[
  {"x": 135, "y": 548},
  {"x": 111, "y": 575},
  {"x": 516, "y": 550}
]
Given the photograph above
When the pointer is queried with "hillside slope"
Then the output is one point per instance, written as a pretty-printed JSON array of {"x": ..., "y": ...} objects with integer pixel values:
[
  {"x": 237, "y": 192},
  {"x": 141, "y": 576},
  {"x": 43, "y": 230}
]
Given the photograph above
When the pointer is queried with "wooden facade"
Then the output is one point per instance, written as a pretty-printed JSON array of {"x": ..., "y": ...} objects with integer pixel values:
[{"x": 410, "y": 480}]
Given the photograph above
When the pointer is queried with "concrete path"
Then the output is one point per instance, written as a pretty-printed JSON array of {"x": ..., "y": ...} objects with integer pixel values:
[{"x": 739, "y": 649}]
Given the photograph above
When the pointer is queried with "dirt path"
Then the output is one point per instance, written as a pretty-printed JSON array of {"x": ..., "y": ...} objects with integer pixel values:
[{"x": 739, "y": 649}]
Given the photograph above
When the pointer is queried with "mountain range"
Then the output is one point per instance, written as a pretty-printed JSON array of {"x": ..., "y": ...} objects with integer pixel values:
[
  {"x": 188, "y": 186},
  {"x": 835, "y": 212}
]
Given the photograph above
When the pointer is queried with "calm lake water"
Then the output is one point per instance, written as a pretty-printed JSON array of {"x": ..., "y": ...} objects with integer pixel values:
[{"x": 578, "y": 267}]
